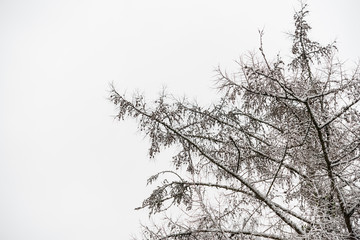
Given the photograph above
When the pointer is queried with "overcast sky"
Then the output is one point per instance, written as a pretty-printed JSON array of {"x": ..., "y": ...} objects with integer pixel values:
[{"x": 68, "y": 170}]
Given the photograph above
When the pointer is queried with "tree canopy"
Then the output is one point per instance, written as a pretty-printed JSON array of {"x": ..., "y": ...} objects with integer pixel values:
[{"x": 276, "y": 158}]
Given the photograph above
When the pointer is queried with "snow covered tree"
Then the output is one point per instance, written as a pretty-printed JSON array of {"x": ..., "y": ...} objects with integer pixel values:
[{"x": 276, "y": 158}]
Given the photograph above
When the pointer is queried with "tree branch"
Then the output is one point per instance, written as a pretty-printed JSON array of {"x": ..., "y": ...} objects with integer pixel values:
[
  {"x": 344, "y": 109},
  {"x": 198, "y": 231}
]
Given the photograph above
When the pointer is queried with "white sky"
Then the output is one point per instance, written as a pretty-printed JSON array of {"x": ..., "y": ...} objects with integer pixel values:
[{"x": 67, "y": 169}]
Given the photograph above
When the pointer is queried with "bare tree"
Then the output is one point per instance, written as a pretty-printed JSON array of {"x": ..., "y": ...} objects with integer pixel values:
[{"x": 276, "y": 158}]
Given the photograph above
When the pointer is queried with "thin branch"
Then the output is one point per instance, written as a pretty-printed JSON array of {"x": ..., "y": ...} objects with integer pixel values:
[
  {"x": 344, "y": 109},
  {"x": 239, "y": 154},
  {"x": 275, "y": 176},
  {"x": 258, "y": 120},
  {"x": 198, "y": 231}
]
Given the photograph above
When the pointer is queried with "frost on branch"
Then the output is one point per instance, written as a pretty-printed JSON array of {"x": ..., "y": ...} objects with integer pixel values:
[{"x": 276, "y": 158}]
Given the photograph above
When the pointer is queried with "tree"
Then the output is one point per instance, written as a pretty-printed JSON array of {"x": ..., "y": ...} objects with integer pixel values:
[{"x": 276, "y": 158}]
